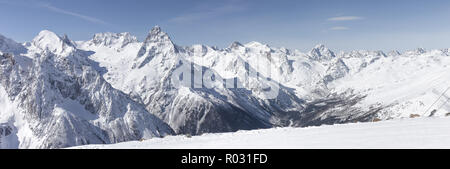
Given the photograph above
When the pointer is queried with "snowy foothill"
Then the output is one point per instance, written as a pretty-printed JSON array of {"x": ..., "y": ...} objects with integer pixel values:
[{"x": 401, "y": 133}]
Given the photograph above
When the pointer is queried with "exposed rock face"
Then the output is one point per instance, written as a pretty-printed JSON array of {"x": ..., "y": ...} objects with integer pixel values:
[
  {"x": 321, "y": 53},
  {"x": 336, "y": 71}
]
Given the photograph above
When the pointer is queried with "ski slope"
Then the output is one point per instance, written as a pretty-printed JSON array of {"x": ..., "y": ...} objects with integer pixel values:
[{"x": 401, "y": 133}]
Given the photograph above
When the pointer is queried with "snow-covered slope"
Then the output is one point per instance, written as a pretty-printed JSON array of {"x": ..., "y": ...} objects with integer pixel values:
[
  {"x": 409, "y": 83},
  {"x": 405, "y": 133}
]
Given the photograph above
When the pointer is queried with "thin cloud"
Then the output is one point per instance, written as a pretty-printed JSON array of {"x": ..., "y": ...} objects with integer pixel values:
[
  {"x": 65, "y": 12},
  {"x": 345, "y": 18},
  {"x": 339, "y": 28},
  {"x": 16, "y": 2}
]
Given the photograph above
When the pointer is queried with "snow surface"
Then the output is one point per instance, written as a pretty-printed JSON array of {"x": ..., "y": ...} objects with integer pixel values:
[{"x": 400, "y": 133}]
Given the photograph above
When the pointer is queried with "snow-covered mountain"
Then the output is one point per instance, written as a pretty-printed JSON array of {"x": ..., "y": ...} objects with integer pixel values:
[
  {"x": 194, "y": 108},
  {"x": 413, "y": 83},
  {"x": 113, "y": 88},
  {"x": 55, "y": 98}
]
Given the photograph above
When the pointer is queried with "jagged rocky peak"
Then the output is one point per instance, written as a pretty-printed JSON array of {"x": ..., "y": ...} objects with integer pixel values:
[
  {"x": 156, "y": 35},
  {"x": 47, "y": 40},
  {"x": 394, "y": 53},
  {"x": 321, "y": 53},
  {"x": 113, "y": 39},
  {"x": 157, "y": 43},
  {"x": 66, "y": 40},
  {"x": 158, "y": 38},
  {"x": 420, "y": 50},
  {"x": 235, "y": 45}
]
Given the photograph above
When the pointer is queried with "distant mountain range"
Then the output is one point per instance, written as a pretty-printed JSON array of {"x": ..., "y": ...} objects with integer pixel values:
[{"x": 57, "y": 93}]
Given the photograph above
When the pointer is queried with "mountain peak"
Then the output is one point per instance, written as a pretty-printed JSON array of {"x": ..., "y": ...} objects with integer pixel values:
[
  {"x": 257, "y": 44},
  {"x": 420, "y": 50},
  {"x": 157, "y": 43},
  {"x": 156, "y": 30},
  {"x": 394, "y": 53},
  {"x": 156, "y": 35},
  {"x": 46, "y": 33},
  {"x": 47, "y": 40},
  {"x": 235, "y": 44},
  {"x": 321, "y": 53}
]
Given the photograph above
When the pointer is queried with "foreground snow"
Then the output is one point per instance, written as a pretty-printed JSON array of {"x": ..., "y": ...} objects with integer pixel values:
[{"x": 405, "y": 133}]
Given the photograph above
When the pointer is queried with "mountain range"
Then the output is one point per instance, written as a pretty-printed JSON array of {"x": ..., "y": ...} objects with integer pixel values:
[{"x": 58, "y": 93}]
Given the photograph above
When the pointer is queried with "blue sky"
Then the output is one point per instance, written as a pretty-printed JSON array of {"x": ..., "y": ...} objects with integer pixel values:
[{"x": 295, "y": 24}]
